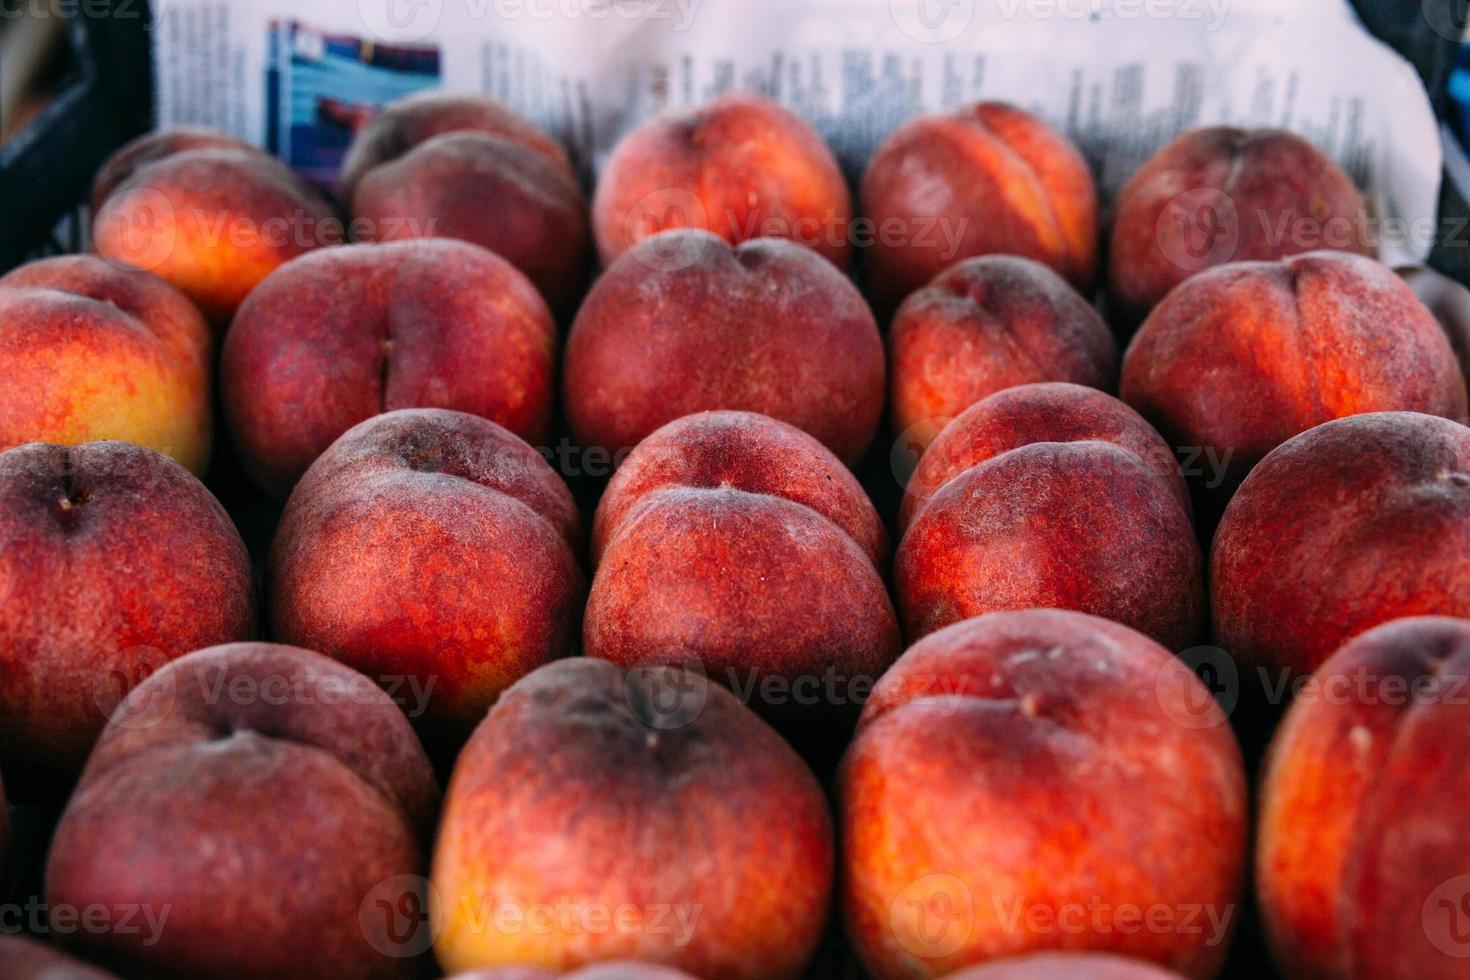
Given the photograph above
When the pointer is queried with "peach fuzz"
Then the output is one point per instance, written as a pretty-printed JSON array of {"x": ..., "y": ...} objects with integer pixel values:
[
  {"x": 986, "y": 324},
  {"x": 1242, "y": 357},
  {"x": 1359, "y": 866},
  {"x": 684, "y": 323},
  {"x": 980, "y": 179},
  {"x": 1222, "y": 194},
  {"x": 91, "y": 351},
  {"x": 1348, "y": 525},
  {"x": 741, "y": 451},
  {"x": 467, "y": 167},
  {"x": 338, "y": 336},
  {"x": 739, "y": 166},
  {"x": 229, "y": 779},
  {"x": 208, "y": 213},
  {"x": 113, "y": 561},
  {"x": 1087, "y": 526},
  {"x": 712, "y": 843},
  {"x": 1029, "y": 781},
  {"x": 434, "y": 546},
  {"x": 1066, "y": 966},
  {"x": 1026, "y": 414}
]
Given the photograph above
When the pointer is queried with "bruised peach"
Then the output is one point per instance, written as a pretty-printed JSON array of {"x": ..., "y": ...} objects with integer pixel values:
[
  {"x": 466, "y": 167},
  {"x": 91, "y": 351},
  {"x": 1037, "y": 781},
  {"x": 209, "y": 214},
  {"x": 1359, "y": 865},
  {"x": 256, "y": 806},
  {"x": 113, "y": 561},
  {"x": 344, "y": 334},
  {"x": 684, "y": 323},
  {"x": 1222, "y": 194},
  {"x": 599, "y": 815},
  {"x": 740, "y": 166},
  {"x": 986, "y": 324},
  {"x": 1346, "y": 526},
  {"x": 432, "y": 549},
  {"x": 980, "y": 179},
  {"x": 1242, "y": 357},
  {"x": 1050, "y": 412}
]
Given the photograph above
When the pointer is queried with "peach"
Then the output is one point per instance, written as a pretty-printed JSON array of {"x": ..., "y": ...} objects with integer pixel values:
[
  {"x": 979, "y": 179},
  {"x": 113, "y": 560},
  {"x": 432, "y": 550},
  {"x": 1083, "y": 525},
  {"x": 750, "y": 563},
  {"x": 208, "y": 213},
  {"x": 30, "y": 959},
  {"x": 1034, "y": 781},
  {"x": 1244, "y": 356},
  {"x": 685, "y": 323},
  {"x": 739, "y": 166},
  {"x": 341, "y": 335},
  {"x": 986, "y": 324},
  {"x": 1026, "y": 414},
  {"x": 1222, "y": 194},
  {"x": 1359, "y": 866},
  {"x": 624, "y": 970},
  {"x": 467, "y": 167},
  {"x": 91, "y": 351},
  {"x": 1348, "y": 525},
  {"x": 1066, "y": 966},
  {"x": 261, "y": 805},
  {"x": 601, "y": 815}
]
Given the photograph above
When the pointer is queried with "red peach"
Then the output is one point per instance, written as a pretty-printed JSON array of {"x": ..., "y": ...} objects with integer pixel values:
[{"x": 626, "y": 970}]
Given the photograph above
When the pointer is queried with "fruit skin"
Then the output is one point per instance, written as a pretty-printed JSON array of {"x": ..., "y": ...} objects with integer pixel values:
[
  {"x": 624, "y": 970},
  {"x": 685, "y": 323},
  {"x": 1244, "y": 356},
  {"x": 228, "y": 779},
  {"x": 1065, "y": 966},
  {"x": 979, "y": 179},
  {"x": 741, "y": 451},
  {"x": 1348, "y": 525},
  {"x": 113, "y": 560},
  {"x": 92, "y": 351},
  {"x": 1039, "y": 759},
  {"x": 434, "y": 546},
  {"x": 1085, "y": 525},
  {"x": 591, "y": 783},
  {"x": 30, "y": 959},
  {"x": 344, "y": 334},
  {"x": 985, "y": 324},
  {"x": 739, "y": 166},
  {"x": 1221, "y": 194},
  {"x": 468, "y": 167},
  {"x": 208, "y": 213},
  {"x": 1361, "y": 808},
  {"x": 1043, "y": 412}
]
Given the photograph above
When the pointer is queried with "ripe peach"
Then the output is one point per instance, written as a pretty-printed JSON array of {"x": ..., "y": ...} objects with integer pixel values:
[
  {"x": 30, "y": 959},
  {"x": 1244, "y": 356},
  {"x": 740, "y": 166},
  {"x": 1025, "y": 414},
  {"x": 985, "y": 324},
  {"x": 344, "y": 334},
  {"x": 1222, "y": 194},
  {"x": 1072, "y": 525},
  {"x": 1348, "y": 525},
  {"x": 1358, "y": 866},
  {"x": 468, "y": 167},
  {"x": 623, "y": 970},
  {"x": 980, "y": 179},
  {"x": 113, "y": 560},
  {"x": 432, "y": 548},
  {"x": 1066, "y": 966},
  {"x": 1040, "y": 780},
  {"x": 90, "y": 351},
  {"x": 685, "y": 323},
  {"x": 601, "y": 815},
  {"x": 208, "y": 213},
  {"x": 265, "y": 800}
]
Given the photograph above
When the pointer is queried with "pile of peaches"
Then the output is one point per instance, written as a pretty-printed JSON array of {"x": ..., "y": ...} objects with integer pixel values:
[{"x": 756, "y": 691}]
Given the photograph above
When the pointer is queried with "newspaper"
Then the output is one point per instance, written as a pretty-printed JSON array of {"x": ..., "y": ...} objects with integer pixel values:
[{"x": 1118, "y": 76}]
